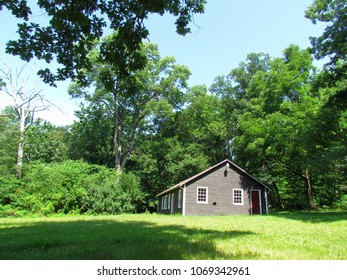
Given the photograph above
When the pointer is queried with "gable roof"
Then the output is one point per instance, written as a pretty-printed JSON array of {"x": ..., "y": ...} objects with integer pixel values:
[{"x": 224, "y": 162}]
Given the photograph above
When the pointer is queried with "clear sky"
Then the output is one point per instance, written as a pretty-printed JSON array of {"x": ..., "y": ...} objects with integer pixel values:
[{"x": 221, "y": 38}]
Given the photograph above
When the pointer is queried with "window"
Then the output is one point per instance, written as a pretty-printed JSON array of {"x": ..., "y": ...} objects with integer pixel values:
[
  {"x": 162, "y": 203},
  {"x": 179, "y": 199},
  {"x": 165, "y": 202},
  {"x": 238, "y": 196},
  {"x": 202, "y": 195},
  {"x": 169, "y": 201}
]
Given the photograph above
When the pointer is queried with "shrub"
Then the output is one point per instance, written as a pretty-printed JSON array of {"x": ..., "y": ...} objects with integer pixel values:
[
  {"x": 111, "y": 192},
  {"x": 70, "y": 187},
  {"x": 342, "y": 203},
  {"x": 54, "y": 188},
  {"x": 8, "y": 190}
]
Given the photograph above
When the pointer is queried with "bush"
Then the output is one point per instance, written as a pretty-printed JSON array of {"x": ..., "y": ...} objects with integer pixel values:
[
  {"x": 8, "y": 190},
  {"x": 9, "y": 211},
  {"x": 70, "y": 187},
  {"x": 111, "y": 192},
  {"x": 54, "y": 188},
  {"x": 342, "y": 203}
]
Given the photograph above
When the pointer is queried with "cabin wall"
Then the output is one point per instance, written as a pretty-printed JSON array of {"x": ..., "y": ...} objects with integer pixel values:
[
  {"x": 173, "y": 207},
  {"x": 220, "y": 184}
]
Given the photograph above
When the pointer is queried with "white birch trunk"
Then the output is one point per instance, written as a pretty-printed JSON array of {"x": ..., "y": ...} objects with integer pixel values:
[{"x": 21, "y": 141}]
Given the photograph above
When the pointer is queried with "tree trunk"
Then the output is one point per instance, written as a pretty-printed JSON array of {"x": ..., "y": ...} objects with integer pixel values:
[
  {"x": 116, "y": 141},
  {"x": 21, "y": 142},
  {"x": 309, "y": 192},
  {"x": 279, "y": 200}
]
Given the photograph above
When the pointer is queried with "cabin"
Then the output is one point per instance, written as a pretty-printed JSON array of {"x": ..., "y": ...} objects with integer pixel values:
[{"x": 223, "y": 189}]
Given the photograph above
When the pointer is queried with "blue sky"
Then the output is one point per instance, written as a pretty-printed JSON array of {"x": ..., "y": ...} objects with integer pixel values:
[{"x": 221, "y": 38}]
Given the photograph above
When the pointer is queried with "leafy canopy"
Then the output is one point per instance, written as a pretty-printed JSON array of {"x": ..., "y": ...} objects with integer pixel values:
[
  {"x": 73, "y": 26},
  {"x": 332, "y": 43}
]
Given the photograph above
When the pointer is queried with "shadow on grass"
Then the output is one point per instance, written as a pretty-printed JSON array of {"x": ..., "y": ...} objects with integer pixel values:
[
  {"x": 111, "y": 239},
  {"x": 313, "y": 216}
]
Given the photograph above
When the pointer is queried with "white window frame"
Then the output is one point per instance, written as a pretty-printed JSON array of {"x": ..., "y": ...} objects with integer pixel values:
[
  {"x": 242, "y": 200},
  {"x": 172, "y": 203},
  {"x": 165, "y": 202},
  {"x": 179, "y": 202},
  {"x": 184, "y": 200},
  {"x": 197, "y": 195}
]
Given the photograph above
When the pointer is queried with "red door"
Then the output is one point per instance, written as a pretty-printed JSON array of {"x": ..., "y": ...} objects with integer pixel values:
[{"x": 255, "y": 202}]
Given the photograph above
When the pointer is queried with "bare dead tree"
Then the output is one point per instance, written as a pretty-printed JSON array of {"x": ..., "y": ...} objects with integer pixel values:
[{"x": 27, "y": 100}]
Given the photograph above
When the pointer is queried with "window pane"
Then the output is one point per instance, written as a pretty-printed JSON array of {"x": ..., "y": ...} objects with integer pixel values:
[
  {"x": 238, "y": 197},
  {"x": 179, "y": 198},
  {"x": 165, "y": 202},
  {"x": 202, "y": 195}
]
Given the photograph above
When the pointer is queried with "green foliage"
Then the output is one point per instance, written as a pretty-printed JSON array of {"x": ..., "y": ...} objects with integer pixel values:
[
  {"x": 161, "y": 163},
  {"x": 8, "y": 147},
  {"x": 10, "y": 196},
  {"x": 70, "y": 187},
  {"x": 9, "y": 186},
  {"x": 202, "y": 124},
  {"x": 282, "y": 131},
  {"x": 46, "y": 143},
  {"x": 332, "y": 43},
  {"x": 108, "y": 192},
  {"x": 54, "y": 188},
  {"x": 92, "y": 136},
  {"x": 121, "y": 109},
  {"x": 342, "y": 202},
  {"x": 71, "y": 30}
]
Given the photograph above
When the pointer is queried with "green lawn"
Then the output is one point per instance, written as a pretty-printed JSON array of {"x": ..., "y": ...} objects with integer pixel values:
[{"x": 279, "y": 236}]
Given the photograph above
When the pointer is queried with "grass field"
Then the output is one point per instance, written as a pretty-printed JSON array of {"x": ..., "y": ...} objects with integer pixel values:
[{"x": 283, "y": 236}]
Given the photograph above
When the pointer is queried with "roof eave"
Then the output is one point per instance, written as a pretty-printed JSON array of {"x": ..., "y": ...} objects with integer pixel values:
[
  {"x": 169, "y": 190},
  {"x": 205, "y": 171}
]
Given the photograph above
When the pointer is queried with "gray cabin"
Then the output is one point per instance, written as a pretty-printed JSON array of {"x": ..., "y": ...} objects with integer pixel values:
[{"x": 223, "y": 189}]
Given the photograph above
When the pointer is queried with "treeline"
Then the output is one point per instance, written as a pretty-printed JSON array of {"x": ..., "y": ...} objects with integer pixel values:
[
  {"x": 281, "y": 119},
  {"x": 275, "y": 117}
]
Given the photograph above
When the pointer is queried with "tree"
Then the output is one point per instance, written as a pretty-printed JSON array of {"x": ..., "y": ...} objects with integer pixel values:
[
  {"x": 47, "y": 143},
  {"x": 234, "y": 94},
  {"x": 277, "y": 130},
  {"x": 27, "y": 100},
  {"x": 202, "y": 123},
  {"x": 168, "y": 153},
  {"x": 330, "y": 125},
  {"x": 92, "y": 136},
  {"x": 332, "y": 42},
  {"x": 73, "y": 27},
  {"x": 8, "y": 140},
  {"x": 129, "y": 101}
]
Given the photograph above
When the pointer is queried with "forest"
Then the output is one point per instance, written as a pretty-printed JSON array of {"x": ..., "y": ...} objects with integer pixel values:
[{"x": 141, "y": 128}]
